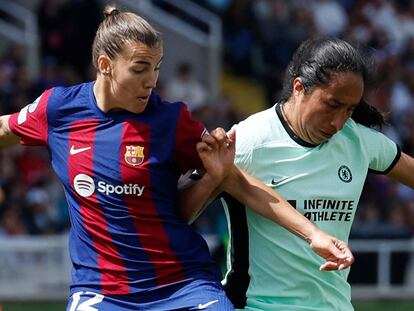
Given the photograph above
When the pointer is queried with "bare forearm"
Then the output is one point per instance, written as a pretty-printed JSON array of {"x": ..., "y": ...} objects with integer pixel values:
[
  {"x": 193, "y": 200},
  {"x": 265, "y": 201},
  {"x": 7, "y": 138}
]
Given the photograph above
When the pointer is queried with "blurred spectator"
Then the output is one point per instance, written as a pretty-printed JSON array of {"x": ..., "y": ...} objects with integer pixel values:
[
  {"x": 51, "y": 28},
  {"x": 67, "y": 30},
  {"x": 33, "y": 166},
  {"x": 280, "y": 29},
  {"x": 11, "y": 222},
  {"x": 238, "y": 35},
  {"x": 329, "y": 16},
  {"x": 184, "y": 87},
  {"x": 40, "y": 216}
]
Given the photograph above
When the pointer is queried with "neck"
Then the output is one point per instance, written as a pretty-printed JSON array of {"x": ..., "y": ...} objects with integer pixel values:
[
  {"x": 101, "y": 90},
  {"x": 287, "y": 115},
  {"x": 291, "y": 117}
]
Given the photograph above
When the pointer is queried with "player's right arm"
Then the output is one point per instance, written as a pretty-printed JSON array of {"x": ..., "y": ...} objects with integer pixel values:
[
  {"x": 7, "y": 138},
  {"x": 262, "y": 199}
]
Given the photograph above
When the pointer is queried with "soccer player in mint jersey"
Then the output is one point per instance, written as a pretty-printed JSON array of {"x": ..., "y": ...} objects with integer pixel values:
[
  {"x": 315, "y": 148},
  {"x": 119, "y": 150}
]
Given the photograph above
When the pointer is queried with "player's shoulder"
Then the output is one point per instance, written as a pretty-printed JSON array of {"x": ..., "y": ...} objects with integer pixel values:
[
  {"x": 69, "y": 103},
  {"x": 63, "y": 95},
  {"x": 258, "y": 126},
  {"x": 158, "y": 103},
  {"x": 73, "y": 90},
  {"x": 166, "y": 110},
  {"x": 357, "y": 136},
  {"x": 356, "y": 130}
]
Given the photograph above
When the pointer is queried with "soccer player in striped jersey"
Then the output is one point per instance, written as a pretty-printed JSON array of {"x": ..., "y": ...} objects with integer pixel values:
[
  {"x": 315, "y": 148},
  {"x": 119, "y": 150}
]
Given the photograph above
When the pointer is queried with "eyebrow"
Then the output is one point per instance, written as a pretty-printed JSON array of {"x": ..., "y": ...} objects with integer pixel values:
[
  {"x": 338, "y": 102},
  {"x": 143, "y": 62},
  {"x": 343, "y": 104}
]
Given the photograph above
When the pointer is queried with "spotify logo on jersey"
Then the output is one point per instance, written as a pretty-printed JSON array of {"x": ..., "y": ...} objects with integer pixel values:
[{"x": 84, "y": 185}]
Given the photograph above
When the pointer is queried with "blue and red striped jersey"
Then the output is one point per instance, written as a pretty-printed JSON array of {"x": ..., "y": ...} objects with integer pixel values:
[{"x": 119, "y": 171}]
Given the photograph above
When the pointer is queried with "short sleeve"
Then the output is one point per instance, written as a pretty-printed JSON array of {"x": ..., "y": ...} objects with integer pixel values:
[
  {"x": 189, "y": 133},
  {"x": 383, "y": 153},
  {"x": 244, "y": 147},
  {"x": 31, "y": 123}
]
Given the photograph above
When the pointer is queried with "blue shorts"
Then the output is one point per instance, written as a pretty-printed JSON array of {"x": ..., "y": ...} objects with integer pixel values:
[{"x": 197, "y": 295}]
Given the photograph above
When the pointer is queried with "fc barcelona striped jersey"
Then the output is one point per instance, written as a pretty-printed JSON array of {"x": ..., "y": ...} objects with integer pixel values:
[{"x": 119, "y": 171}]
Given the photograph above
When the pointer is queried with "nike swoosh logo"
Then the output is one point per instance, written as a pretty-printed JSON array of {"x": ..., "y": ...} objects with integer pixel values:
[
  {"x": 73, "y": 150},
  {"x": 205, "y": 305},
  {"x": 280, "y": 181}
]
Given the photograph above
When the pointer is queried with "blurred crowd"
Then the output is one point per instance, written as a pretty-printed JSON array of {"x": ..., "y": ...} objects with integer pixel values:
[{"x": 259, "y": 38}]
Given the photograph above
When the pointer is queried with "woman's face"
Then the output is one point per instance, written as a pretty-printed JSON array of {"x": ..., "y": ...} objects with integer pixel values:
[
  {"x": 325, "y": 110},
  {"x": 134, "y": 74}
]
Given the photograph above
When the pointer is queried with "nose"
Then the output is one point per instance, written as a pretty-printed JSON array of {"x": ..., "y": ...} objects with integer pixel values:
[
  {"x": 151, "y": 80},
  {"x": 339, "y": 120}
]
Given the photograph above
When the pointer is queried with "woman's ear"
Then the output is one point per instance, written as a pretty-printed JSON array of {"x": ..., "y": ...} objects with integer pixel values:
[
  {"x": 104, "y": 65},
  {"x": 297, "y": 86}
]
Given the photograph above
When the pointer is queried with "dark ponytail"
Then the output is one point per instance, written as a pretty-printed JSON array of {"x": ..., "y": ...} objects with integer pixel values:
[{"x": 368, "y": 115}]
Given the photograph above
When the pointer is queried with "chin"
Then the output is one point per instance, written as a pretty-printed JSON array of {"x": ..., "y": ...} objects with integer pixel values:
[
  {"x": 319, "y": 140},
  {"x": 138, "y": 109}
]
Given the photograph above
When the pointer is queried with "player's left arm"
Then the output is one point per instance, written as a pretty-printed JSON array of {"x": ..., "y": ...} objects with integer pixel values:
[
  {"x": 218, "y": 160},
  {"x": 7, "y": 137},
  {"x": 195, "y": 198},
  {"x": 403, "y": 171}
]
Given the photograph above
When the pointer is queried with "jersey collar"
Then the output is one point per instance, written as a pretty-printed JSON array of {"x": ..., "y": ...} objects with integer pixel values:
[{"x": 291, "y": 133}]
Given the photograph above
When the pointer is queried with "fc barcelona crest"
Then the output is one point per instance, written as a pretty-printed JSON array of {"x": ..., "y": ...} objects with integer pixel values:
[{"x": 134, "y": 155}]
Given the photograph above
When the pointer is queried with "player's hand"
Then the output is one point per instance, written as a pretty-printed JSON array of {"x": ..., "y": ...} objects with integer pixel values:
[
  {"x": 337, "y": 254},
  {"x": 216, "y": 151}
]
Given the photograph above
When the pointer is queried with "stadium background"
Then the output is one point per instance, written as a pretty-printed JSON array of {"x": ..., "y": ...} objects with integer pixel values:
[{"x": 225, "y": 59}]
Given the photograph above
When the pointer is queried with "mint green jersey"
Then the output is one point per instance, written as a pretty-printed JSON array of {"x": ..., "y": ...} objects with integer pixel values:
[{"x": 324, "y": 183}]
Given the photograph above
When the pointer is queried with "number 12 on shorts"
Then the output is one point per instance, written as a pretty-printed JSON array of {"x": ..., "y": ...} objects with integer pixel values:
[{"x": 89, "y": 299}]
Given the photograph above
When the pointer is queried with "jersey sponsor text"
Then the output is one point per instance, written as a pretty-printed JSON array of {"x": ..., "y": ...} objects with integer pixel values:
[
  {"x": 85, "y": 187},
  {"x": 120, "y": 189},
  {"x": 329, "y": 210},
  {"x": 329, "y": 204}
]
